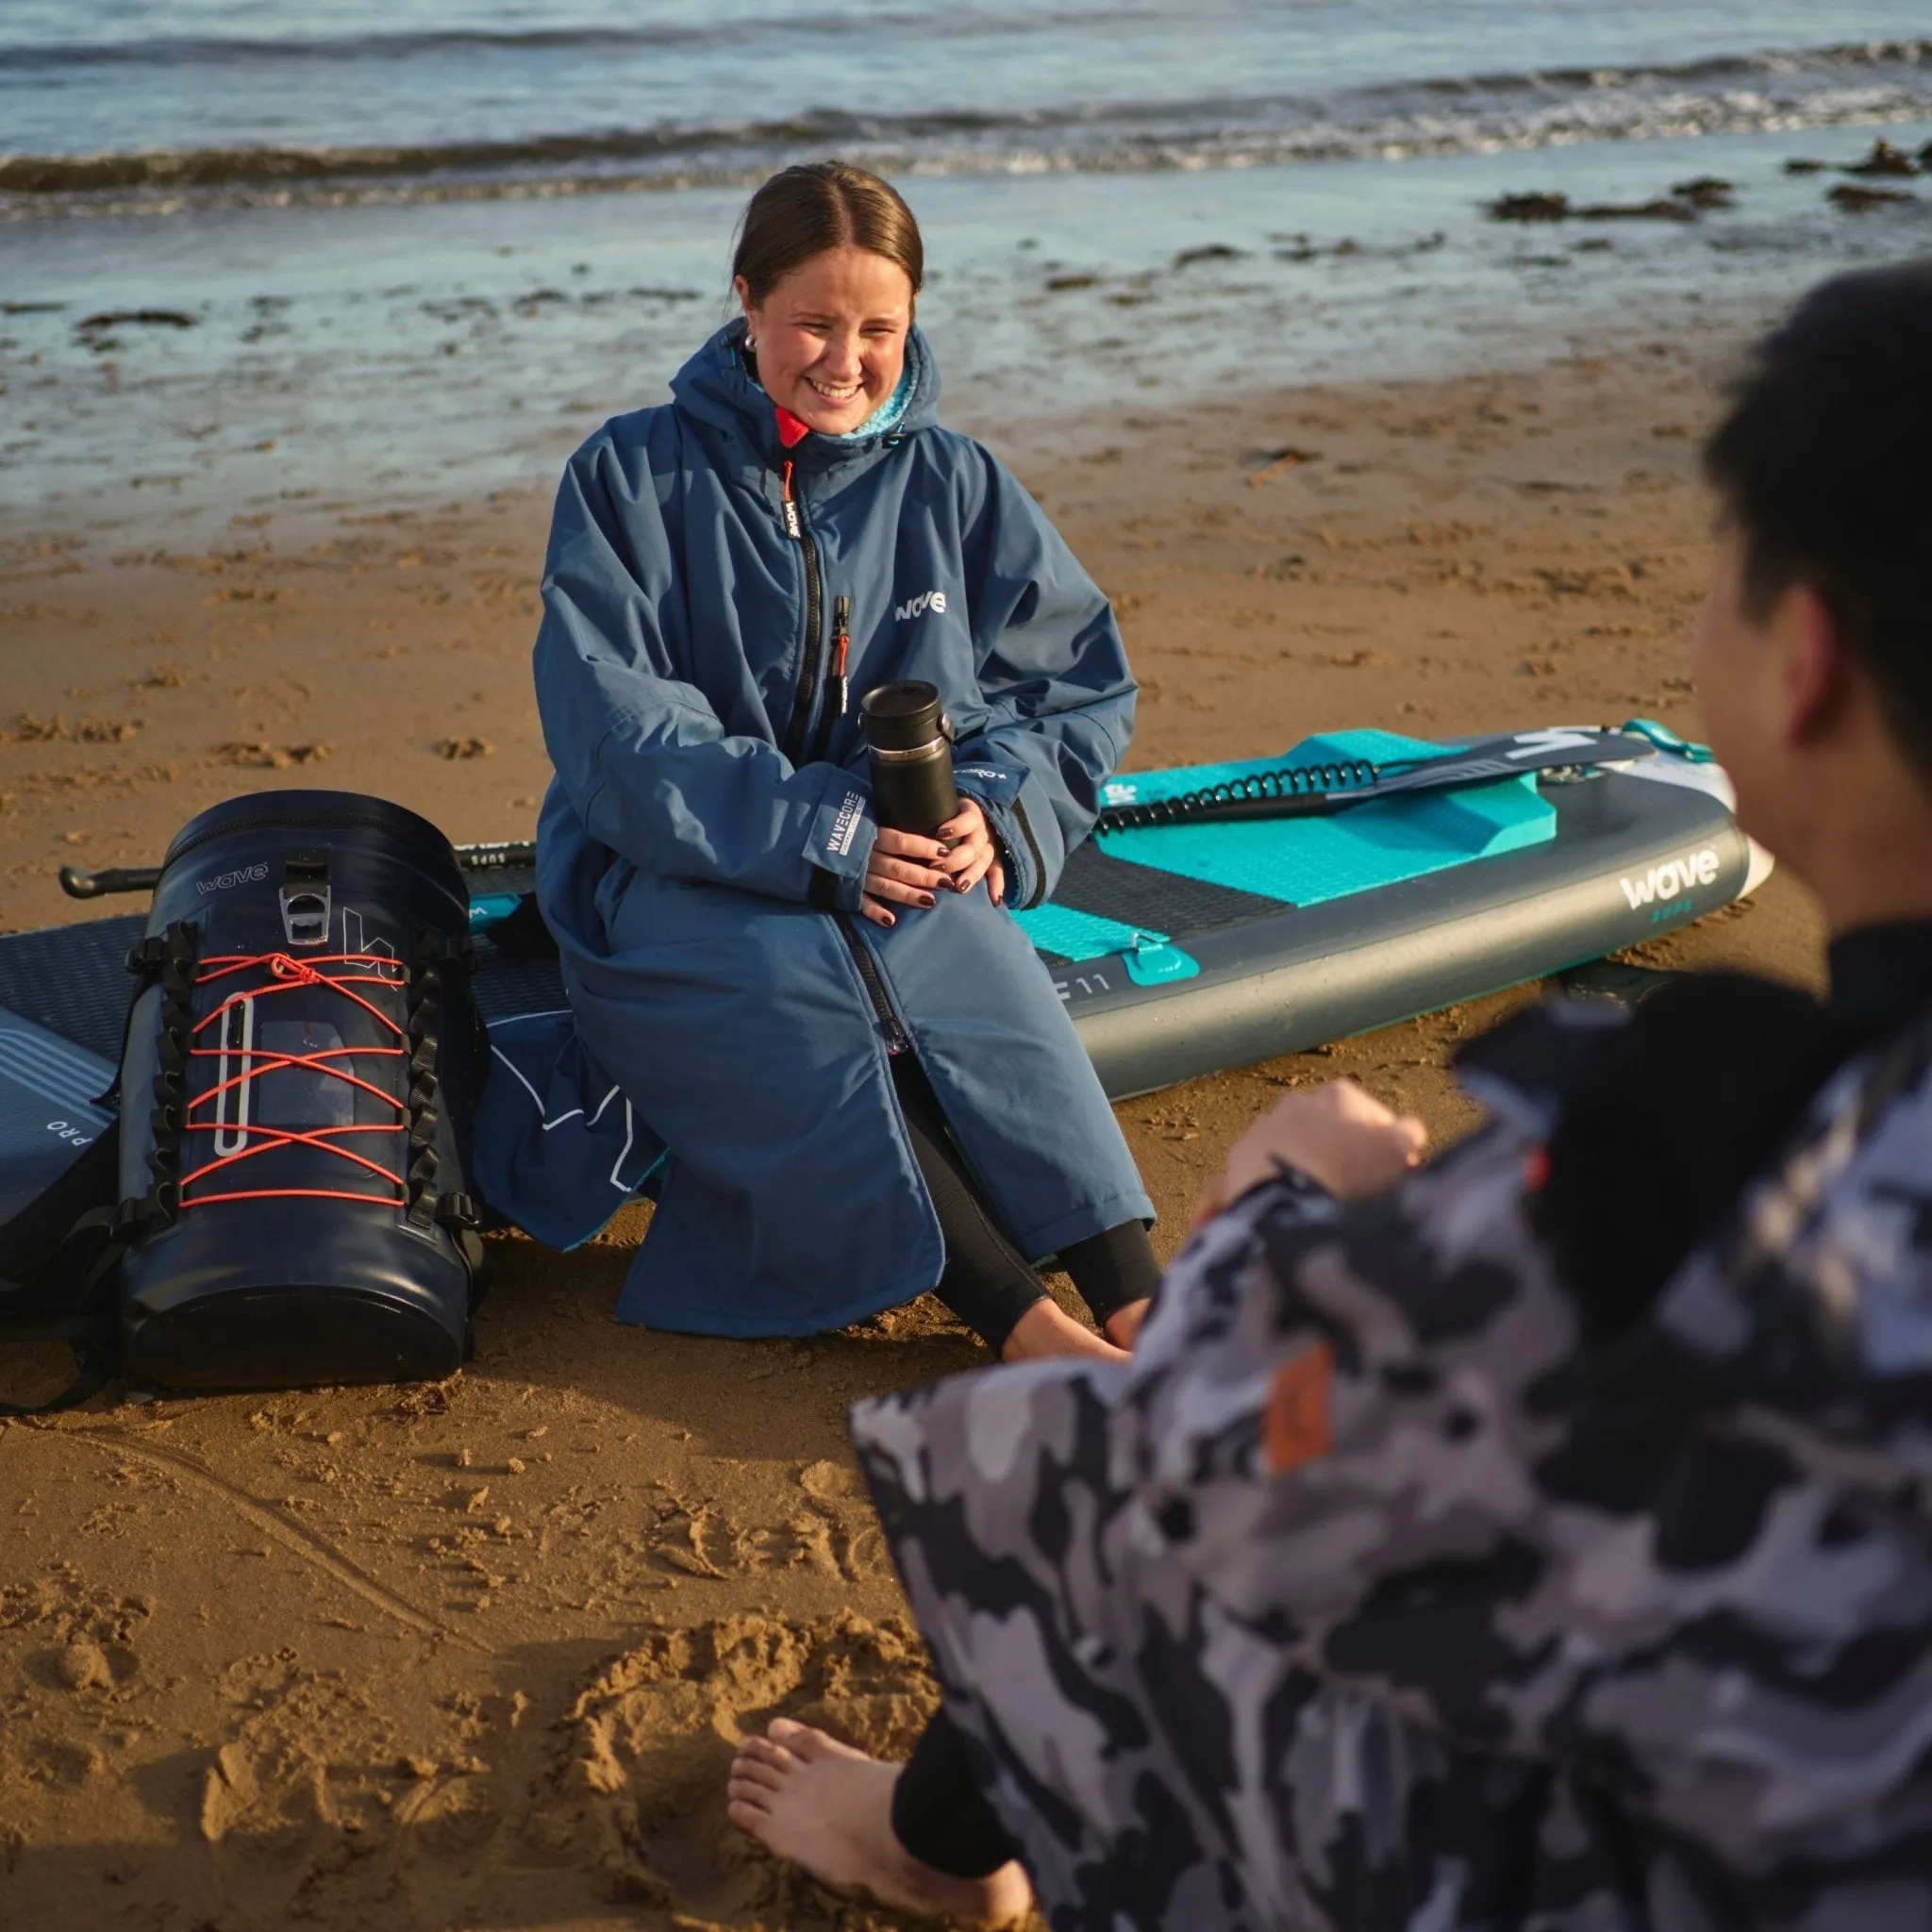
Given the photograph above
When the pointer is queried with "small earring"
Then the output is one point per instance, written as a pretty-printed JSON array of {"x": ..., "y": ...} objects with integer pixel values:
[{"x": 751, "y": 347}]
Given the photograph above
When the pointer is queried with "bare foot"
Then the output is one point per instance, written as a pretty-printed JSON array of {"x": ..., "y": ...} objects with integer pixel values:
[
  {"x": 824, "y": 1806},
  {"x": 1122, "y": 1327},
  {"x": 1047, "y": 1329}
]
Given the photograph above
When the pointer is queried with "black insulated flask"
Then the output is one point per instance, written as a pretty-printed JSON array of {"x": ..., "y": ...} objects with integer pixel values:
[{"x": 910, "y": 751}]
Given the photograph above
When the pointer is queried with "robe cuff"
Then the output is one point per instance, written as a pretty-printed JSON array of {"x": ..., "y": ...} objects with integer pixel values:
[
  {"x": 998, "y": 788},
  {"x": 839, "y": 843}
]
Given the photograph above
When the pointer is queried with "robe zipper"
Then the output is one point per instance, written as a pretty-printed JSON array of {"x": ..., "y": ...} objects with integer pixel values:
[
  {"x": 896, "y": 1042},
  {"x": 810, "y": 668},
  {"x": 839, "y": 692}
]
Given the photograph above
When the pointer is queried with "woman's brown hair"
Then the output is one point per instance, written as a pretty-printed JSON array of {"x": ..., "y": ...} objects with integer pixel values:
[{"x": 802, "y": 212}]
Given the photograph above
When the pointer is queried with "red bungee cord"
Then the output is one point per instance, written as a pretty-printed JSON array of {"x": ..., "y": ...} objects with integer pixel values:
[{"x": 286, "y": 975}]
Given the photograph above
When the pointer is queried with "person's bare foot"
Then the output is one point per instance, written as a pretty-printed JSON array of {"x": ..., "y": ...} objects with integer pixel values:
[
  {"x": 1122, "y": 1327},
  {"x": 1047, "y": 1329},
  {"x": 808, "y": 1798}
]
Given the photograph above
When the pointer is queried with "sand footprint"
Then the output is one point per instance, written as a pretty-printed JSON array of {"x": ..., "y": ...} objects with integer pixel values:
[{"x": 637, "y": 1791}]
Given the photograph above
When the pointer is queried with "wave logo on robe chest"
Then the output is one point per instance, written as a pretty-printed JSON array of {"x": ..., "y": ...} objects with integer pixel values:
[{"x": 1674, "y": 876}]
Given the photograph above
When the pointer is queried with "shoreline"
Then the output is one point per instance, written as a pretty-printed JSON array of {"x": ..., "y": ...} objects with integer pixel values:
[{"x": 174, "y": 371}]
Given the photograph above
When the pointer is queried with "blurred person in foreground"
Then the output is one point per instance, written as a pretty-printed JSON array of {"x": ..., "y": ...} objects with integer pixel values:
[{"x": 1539, "y": 1537}]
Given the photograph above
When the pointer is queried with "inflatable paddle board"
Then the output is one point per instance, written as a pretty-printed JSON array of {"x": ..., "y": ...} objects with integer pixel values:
[
  {"x": 1218, "y": 916},
  {"x": 1184, "y": 949}
]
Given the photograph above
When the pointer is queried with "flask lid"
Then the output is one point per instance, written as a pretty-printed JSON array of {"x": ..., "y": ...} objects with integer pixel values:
[{"x": 901, "y": 717}]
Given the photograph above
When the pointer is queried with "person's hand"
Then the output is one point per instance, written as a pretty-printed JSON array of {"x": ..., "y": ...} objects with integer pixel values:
[
  {"x": 1337, "y": 1135},
  {"x": 906, "y": 870},
  {"x": 974, "y": 855}
]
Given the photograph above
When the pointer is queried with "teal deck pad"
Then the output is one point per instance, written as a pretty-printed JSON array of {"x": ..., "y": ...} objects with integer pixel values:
[
  {"x": 1076, "y": 935},
  {"x": 1305, "y": 861}
]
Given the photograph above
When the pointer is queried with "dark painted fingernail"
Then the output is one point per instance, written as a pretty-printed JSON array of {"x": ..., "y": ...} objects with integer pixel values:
[
  {"x": 888, "y": 919},
  {"x": 961, "y": 886},
  {"x": 927, "y": 899}
]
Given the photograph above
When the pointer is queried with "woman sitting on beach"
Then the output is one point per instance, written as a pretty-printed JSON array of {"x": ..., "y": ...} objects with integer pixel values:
[{"x": 863, "y": 1076}]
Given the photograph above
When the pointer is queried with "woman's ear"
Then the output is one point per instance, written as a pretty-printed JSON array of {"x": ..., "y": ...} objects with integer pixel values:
[{"x": 743, "y": 289}]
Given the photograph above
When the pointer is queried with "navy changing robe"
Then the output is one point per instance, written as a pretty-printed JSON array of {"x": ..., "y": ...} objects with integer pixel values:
[{"x": 701, "y": 852}]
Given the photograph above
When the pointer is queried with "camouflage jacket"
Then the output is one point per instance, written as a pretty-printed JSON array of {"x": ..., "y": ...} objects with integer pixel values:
[{"x": 1367, "y": 1598}]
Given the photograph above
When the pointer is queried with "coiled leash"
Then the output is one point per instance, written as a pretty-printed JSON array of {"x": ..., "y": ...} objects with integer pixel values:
[{"x": 1296, "y": 792}]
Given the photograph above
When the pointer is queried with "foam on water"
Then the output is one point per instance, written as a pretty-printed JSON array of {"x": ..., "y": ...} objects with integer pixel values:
[{"x": 431, "y": 99}]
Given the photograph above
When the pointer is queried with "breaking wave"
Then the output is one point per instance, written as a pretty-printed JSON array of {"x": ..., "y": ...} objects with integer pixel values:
[{"x": 1812, "y": 88}]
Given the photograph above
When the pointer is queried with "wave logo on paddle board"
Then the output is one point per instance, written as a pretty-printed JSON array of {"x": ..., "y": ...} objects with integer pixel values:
[
  {"x": 1671, "y": 879},
  {"x": 241, "y": 875},
  {"x": 934, "y": 601}
]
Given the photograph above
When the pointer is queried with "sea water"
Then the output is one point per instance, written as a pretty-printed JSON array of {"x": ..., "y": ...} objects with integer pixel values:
[{"x": 259, "y": 253}]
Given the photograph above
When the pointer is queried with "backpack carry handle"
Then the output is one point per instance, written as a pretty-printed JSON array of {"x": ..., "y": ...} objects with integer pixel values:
[{"x": 79, "y": 883}]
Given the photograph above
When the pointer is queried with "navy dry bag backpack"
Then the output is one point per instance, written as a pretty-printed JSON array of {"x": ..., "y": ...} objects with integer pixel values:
[{"x": 288, "y": 1205}]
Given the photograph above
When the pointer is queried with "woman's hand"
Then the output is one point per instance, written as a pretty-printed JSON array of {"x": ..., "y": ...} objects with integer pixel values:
[
  {"x": 974, "y": 855},
  {"x": 1337, "y": 1135},
  {"x": 906, "y": 870}
]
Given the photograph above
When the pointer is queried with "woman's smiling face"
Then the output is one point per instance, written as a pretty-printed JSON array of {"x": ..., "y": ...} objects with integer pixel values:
[{"x": 830, "y": 337}]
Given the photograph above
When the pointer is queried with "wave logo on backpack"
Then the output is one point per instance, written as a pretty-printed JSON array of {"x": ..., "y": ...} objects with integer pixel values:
[
  {"x": 934, "y": 601},
  {"x": 241, "y": 875},
  {"x": 1663, "y": 885}
]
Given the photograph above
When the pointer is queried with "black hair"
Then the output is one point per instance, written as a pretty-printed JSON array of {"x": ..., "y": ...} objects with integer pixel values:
[{"x": 1823, "y": 462}]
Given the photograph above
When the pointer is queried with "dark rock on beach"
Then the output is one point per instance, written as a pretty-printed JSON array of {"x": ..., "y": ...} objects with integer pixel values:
[
  {"x": 1885, "y": 159},
  {"x": 120, "y": 317},
  {"x": 1859, "y": 201},
  {"x": 1661, "y": 208},
  {"x": 1680, "y": 205},
  {"x": 1535, "y": 207},
  {"x": 1212, "y": 251},
  {"x": 1707, "y": 190},
  {"x": 1883, "y": 162}
]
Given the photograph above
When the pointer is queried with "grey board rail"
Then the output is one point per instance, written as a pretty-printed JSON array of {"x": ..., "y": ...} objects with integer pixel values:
[{"x": 1283, "y": 982}]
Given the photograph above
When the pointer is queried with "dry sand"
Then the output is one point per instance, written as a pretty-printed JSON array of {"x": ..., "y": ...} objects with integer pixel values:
[{"x": 474, "y": 1655}]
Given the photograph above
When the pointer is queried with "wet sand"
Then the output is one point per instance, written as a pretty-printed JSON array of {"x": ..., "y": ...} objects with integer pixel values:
[{"x": 474, "y": 1655}]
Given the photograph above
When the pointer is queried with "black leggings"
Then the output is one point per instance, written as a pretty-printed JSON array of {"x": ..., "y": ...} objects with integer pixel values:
[
  {"x": 989, "y": 1284},
  {"x": 939, "y": 1813}
]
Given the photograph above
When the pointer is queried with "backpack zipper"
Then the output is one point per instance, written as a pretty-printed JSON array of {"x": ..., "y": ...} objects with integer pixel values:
[
  {"x": 896, "y": 1042},
  {"x": 810, "y": 668}
]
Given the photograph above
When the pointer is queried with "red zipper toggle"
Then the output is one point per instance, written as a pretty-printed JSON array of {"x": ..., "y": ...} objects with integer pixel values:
[
  {"x": 793, "y": 527},
  {"x": 841, "y": 644}
]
